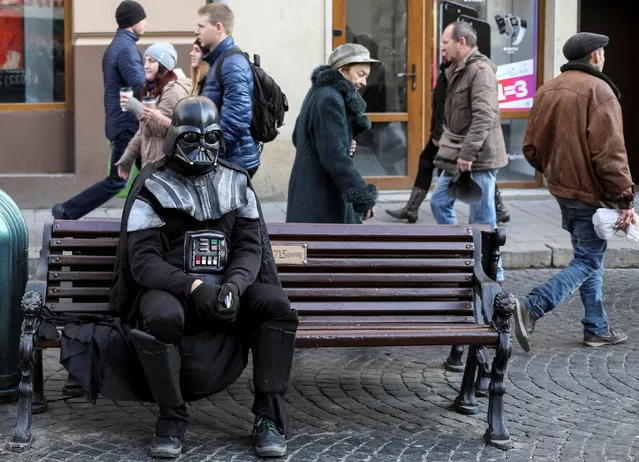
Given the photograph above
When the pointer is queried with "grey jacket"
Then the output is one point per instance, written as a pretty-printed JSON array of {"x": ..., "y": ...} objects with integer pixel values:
[{"x": 471, "y": 117}]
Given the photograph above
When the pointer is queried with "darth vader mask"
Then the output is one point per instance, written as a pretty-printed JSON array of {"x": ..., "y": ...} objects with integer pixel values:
[{"x": 194, "y": 139}]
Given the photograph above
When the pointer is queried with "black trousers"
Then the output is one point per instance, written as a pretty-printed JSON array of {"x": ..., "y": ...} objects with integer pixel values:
[
  {"x": 264, "y": 316},
  {"x": 426, "y": 165}
]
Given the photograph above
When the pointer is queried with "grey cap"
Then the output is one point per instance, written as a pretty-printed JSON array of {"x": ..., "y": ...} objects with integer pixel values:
[
  {"x": 350, "y": 53},
  {"x": 163, "y": 53},
  {"x": 582, "y": 44}
]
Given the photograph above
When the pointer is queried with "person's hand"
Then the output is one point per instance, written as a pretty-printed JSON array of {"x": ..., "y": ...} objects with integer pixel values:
[
  {"x": 151, "y": 114},
  {"x": 204, "y": 298},
  {"x": 123, "y": 172},
  {"x": 353, "y": 148},
  {"x": 435, "y": 142},
  {"x": 228, "y": 303},
  {"x": 626, "y": 219},
  {"x": 464, "y": 165},
  {"x": 370, "y": 213},
  {"x": 123, "y": 100}
]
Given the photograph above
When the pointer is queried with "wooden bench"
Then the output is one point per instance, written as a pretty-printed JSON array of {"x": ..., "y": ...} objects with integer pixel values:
[{"x": 366, "y": 285}]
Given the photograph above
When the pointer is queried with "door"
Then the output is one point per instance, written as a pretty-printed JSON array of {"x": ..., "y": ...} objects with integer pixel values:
[
  {"x": 393, "y": 31},
  {"x": 613, "y": 19}
]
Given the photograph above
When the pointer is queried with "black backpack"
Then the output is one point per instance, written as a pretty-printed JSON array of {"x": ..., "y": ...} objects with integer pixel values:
[{"x": 269, "y": 102}]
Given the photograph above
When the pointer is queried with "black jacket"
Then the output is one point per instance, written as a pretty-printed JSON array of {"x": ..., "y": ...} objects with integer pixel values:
[{"x": 438, "y": 102}]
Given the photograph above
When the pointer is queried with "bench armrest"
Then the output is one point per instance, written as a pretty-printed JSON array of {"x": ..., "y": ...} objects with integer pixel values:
[
  {"x": 485, "y": 288},
  {"x": 38, "y": 283}
]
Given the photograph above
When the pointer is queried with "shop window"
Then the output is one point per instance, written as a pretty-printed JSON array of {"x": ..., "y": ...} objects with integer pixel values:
[
  {"x": 32, "y": 51},
  {"x": 506, "y": 33}
]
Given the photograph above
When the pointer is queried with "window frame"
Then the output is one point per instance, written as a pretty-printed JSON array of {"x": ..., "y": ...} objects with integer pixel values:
[{"x": 68, "y": 73}]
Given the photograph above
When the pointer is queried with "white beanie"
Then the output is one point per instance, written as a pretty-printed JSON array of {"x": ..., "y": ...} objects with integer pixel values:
[{"x": 163, "y": 53}]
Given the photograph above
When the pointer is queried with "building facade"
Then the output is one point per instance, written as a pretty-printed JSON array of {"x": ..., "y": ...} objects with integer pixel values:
[{"x": 51, "y": 109}]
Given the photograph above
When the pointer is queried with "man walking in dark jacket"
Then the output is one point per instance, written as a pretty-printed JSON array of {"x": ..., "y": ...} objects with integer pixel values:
[
  {"x": 230, "y": 87},
  {"x": 122, "y": 66}
]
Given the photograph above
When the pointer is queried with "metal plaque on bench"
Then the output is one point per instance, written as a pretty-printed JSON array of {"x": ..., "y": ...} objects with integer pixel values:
[{"x": 289, "y": 254}]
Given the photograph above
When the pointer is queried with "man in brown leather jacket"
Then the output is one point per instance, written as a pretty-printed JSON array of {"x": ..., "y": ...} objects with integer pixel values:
[{"x": 575, "y": 138}]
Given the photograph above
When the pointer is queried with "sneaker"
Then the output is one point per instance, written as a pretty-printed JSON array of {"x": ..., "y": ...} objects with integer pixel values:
[
  {"x": 524, "y": 323},
  {"x": 168, "y": 447},
  {"x": 58, "y": 212},
  {"x": 269, "y": 440},
  {"x": 612, "y": 337}
]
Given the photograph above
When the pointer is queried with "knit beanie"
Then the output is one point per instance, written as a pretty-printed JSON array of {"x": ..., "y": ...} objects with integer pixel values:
[
  {"x": 205, "y": 51},
  {"x": 129, "y": 13},
  {"x": 163, "y": 53}
]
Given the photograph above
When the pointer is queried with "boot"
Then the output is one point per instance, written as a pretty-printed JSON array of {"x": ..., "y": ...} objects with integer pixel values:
[
  {"x": 272, "y": 359},
  {"x": 161, "y": 363},
  {"x": 409, "y": 211},
  {"x": 500, "y": 208}
]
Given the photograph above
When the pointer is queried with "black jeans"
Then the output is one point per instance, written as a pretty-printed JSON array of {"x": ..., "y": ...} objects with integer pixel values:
[
  {"x": 167, "y": 318},
  {"x": 96, "y": 195},
  {"x": 426, "y": 165}
]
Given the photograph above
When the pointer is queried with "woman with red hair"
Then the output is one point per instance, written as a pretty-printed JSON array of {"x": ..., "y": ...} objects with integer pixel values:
[{"x": 161, "y": 92}]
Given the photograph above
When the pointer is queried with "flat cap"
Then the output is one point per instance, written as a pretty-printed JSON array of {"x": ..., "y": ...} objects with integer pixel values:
[
  {"x": 582, "y": 44},
  {"x": 350, "y": 53}
]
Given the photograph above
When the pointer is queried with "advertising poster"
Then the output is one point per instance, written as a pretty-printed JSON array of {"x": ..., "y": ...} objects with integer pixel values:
[
  {"x": 11, "y": 39},
  {"x": 507, "y": 34}
]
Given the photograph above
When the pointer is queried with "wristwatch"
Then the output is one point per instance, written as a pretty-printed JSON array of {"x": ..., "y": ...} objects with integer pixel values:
[{"x": 513, "y": 26}]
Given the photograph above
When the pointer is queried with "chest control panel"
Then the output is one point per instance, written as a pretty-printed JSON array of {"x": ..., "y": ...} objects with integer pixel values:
[{"x": 205, "y": 252}]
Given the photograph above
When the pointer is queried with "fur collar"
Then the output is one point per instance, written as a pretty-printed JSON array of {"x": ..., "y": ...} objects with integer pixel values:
[
  {"x": 589, "y": 69},
  {"x": 327, "y": 76}
]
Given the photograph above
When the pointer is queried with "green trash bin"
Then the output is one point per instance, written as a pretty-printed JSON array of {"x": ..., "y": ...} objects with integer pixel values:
[{"x": 14, "y": 258}]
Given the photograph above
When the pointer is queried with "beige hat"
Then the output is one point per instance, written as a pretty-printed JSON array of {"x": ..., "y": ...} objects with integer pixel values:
[{"x": 350, "y": 53}]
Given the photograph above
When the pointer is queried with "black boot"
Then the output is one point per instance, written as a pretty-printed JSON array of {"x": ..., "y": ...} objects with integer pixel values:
[
  {"x": 161, "y": 363},
  {"x": 500, "y": 208},
  {"x": 409, "y": 211},
  {"x": 272, "y": 360}
]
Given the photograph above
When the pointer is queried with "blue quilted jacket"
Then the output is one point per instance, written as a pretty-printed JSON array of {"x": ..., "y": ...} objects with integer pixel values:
[
  {"x": 232, "y": 93},
  {"x": 122, "y": 66}
]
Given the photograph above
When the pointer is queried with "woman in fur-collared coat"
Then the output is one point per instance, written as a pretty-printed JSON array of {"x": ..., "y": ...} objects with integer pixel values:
[{"x": 325, "y": 187}]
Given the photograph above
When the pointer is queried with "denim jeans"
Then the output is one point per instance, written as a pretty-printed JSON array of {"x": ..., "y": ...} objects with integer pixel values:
[
  {"x": 481, "y": 212},
  {"x": 96, "y": 195},
  {"x": 585, "y": 272}
]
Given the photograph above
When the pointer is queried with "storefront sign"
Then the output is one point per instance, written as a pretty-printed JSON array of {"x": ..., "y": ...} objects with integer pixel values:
[{"x": 517, "y": 85}]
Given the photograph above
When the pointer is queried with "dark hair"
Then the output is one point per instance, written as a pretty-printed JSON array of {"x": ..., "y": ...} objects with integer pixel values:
[
  {"x": 462, "y": 29},
  {"x": 162, "y": 79}
]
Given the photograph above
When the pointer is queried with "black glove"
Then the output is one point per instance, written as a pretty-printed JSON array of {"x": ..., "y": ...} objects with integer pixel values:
[
  {"x": 204, "y": 298},
  {"x": 228, "y": 303}
]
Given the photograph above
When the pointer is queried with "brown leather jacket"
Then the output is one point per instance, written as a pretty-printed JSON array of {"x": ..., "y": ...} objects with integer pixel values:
[{"x": 575, "y": 138}]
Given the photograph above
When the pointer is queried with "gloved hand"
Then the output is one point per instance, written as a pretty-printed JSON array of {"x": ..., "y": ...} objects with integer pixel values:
[
  {"x": 228, "y": 302},
  {"x": 204, "y": 298}
]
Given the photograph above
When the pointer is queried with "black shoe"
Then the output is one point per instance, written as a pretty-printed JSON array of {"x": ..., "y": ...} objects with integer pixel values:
[
  {"x": 168, "y": 447},
  {"x": 524, "y": 323},
  {"x": 612, "y": 337},
  {"x": 268, "y": 438},
  {"x": 58, "y": 212},
  {"x": 503, "y": 216}
]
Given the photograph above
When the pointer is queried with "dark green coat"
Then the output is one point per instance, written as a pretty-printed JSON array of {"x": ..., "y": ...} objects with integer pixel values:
[{"x": 325, "y": 187}]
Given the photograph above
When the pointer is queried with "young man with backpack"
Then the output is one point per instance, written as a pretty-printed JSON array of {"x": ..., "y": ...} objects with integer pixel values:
[{"x": 251, "y": 104}]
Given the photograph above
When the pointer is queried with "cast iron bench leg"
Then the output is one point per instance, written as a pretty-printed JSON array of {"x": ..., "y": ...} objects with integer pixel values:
[
  {"x": 38, "y": 401},
  {"x": 483, "y": 373},
  {"x": 465, "y": 403},
  {"x": 497, "y": 434},
  {"x": 31, "y": 307},
  {"x": 454, "y": 361}
]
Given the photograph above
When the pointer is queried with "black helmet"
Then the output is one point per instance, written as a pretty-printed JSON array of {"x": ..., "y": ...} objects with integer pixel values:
[{"x": 194, "y": 139}]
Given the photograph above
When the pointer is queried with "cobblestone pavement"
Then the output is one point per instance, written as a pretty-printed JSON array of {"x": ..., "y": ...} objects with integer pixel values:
[{"x": 564, "y": 402}]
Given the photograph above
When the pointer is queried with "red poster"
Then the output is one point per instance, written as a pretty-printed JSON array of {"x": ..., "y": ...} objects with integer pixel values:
[{"x": 11, "y": 40}]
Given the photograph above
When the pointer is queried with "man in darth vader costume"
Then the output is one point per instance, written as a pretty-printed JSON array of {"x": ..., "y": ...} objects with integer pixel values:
[{"x": 194, "y": 259}]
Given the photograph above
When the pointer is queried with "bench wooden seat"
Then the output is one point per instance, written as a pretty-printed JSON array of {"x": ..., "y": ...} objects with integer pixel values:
[{"x": 367, "y": 285}]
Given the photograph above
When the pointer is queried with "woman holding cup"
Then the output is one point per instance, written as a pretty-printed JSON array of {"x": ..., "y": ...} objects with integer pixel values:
[{"x": 154, "y": 107}]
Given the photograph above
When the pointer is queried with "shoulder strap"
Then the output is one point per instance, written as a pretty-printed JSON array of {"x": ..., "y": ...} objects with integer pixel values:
[{"x": 223, "y": 56}]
